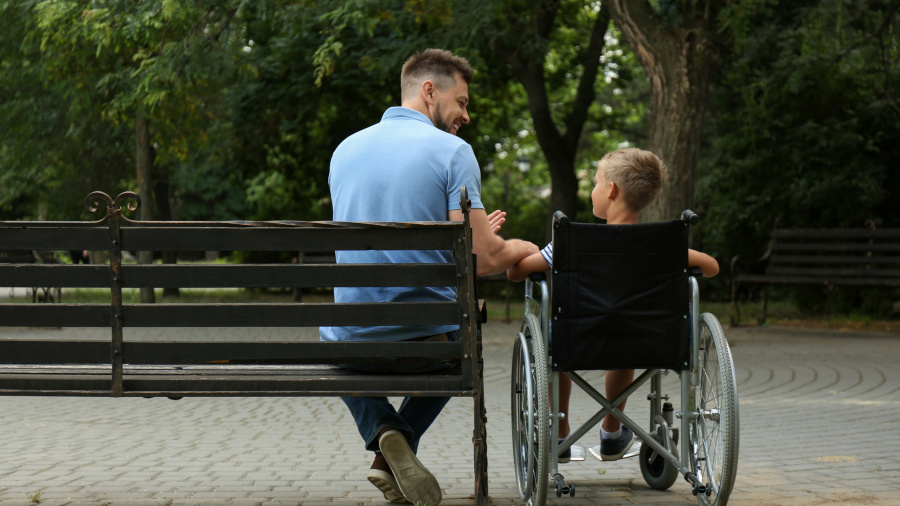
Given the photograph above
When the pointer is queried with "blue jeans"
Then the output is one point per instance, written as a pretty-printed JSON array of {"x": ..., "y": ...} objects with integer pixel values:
[{"x": 416, "y": 414}]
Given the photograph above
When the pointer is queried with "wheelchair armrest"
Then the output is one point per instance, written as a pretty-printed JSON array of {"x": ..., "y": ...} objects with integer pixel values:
[
  {"x": 537, "y": 277},
  {"x": 695, "y": 271}
]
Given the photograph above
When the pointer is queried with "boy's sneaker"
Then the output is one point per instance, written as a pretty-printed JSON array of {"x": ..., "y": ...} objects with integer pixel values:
[
  {"x": 565, "y": 456},
  {"x": 615, "y": 448},
  {"x": 416, "y": 483}
]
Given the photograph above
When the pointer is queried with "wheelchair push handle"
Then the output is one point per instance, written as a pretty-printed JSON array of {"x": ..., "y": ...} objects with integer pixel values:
[{"x": 690, "y": 217}]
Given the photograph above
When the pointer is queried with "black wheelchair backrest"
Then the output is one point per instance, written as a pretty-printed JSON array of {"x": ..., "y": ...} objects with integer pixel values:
[{"x": 620, "y": 296}]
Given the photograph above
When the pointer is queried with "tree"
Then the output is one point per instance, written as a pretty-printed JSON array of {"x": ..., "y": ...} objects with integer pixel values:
[
  {"x": 680, "y": 54},
  {"x": 808, "y": 119},
  {"x": 524, "y": 50},
  {"x": 139, "y": 62}
]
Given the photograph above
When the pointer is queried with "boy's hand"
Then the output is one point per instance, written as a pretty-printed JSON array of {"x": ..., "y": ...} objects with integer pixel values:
[{"x": 497, "y": 219}]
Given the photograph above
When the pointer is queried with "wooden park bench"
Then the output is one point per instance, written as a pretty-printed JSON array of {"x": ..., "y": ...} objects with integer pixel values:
[
  {"x": 822, "y": 257},
  {"x": 121, "y": 367}
]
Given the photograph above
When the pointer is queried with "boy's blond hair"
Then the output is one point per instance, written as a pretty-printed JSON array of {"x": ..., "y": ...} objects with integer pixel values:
[
  {"x": 437, "y": 65},
  {"x": 638, "y": 174}
]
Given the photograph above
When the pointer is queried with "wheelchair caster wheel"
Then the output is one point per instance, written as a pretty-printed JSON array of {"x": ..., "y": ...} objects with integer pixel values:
[{"x": 565, "y": 490}]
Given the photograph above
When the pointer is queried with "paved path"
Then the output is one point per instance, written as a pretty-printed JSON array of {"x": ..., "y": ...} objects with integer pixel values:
[{"x": 820, "y": 420}]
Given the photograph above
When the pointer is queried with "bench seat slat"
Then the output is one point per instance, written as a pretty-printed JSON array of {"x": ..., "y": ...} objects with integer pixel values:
[
  {"x": 232, "y": 315},
  {"x": 229, "y": 380},
  {"x": 88, "y": 353},
  {"x": 321, "y": 380}
]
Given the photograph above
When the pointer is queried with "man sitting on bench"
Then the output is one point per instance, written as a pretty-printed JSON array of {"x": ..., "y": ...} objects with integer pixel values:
[{"x": 410, "y": 167}]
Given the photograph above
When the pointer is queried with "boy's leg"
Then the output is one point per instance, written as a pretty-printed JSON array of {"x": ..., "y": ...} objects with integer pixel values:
[
  {"x": 565, "y": 391},
  {"x": 615, "y": 440},
  {"x": 616, "y": 382}
]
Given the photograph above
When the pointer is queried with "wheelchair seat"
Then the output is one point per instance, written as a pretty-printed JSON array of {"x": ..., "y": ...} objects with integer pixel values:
[{"x": 620, "y": 296}]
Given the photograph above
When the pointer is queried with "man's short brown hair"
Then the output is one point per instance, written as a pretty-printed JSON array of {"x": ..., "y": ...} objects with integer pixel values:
[
  {"x": 437, "y": 65},
  {"x": 638, "y": 174}
]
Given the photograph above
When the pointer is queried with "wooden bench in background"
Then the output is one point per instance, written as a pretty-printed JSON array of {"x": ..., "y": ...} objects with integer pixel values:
[
  {"x": 121, "y": 367},
  {"x": 821, "y": 257}
]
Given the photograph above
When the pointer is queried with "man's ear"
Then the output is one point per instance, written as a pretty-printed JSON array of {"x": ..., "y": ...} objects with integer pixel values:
[{"x": 428, "y": 90}]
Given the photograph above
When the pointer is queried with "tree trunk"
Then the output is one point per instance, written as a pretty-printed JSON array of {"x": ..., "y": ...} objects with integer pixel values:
[
  {"x": 559, "y": 147},
  {"x": 161, "y": 191},
  {"x": 145, "y": 189},
  {"x": 680, "y": 62}
]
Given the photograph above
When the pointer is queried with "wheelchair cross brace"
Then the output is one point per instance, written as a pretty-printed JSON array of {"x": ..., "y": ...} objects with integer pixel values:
[{"x": 689, "y": 381}]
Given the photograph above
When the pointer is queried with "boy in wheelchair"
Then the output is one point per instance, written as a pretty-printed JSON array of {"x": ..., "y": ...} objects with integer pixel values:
[{"x": 626, "y": 182}]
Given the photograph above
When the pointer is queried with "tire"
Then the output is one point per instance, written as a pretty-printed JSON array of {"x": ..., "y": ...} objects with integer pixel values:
[
  {"x": 660, "y": 474},
  {"x": 531, "y": 412},
  {"x": 714, "y": 437},
  {"x": 522, "y": 412}
]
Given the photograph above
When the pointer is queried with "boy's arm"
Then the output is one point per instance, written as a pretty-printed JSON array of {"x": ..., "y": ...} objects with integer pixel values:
[
  {"x": 706, "y": 263},
  {"x": 527, "y": 265}
]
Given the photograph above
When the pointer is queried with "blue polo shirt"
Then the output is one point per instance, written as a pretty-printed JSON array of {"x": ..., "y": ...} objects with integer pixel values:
[{"x": 402, "y": 169}]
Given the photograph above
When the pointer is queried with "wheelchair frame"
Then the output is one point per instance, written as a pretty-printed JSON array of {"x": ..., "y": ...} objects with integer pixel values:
[{"x": 709, "y": 451}]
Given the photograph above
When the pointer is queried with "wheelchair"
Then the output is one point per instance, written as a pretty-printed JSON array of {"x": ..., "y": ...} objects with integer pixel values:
[{"x": 623, "y": 297}]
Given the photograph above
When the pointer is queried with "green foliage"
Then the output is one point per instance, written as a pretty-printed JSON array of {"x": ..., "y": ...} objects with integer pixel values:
[
  {"x": 872, "y": 302},
  {"x": 807, "y": 125}
]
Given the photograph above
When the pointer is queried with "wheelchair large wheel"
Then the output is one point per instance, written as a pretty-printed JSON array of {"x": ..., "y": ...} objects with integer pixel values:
[
  {"x": 531, "y": 412},
  {"x": 714, "y": 434}
]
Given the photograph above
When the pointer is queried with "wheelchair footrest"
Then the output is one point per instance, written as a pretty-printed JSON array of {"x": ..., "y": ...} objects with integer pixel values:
[
  {"x": 697, "y": 486},
  {"x": 563, "y": 488}
]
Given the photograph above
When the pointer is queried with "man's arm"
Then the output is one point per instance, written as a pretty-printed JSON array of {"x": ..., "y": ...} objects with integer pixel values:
[{"x": 495, "y": 255}]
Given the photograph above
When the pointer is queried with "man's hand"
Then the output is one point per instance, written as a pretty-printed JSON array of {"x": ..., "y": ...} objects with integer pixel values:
[
  {"x": 495, "y": 254},
  {"x": 497, "y": 219}
]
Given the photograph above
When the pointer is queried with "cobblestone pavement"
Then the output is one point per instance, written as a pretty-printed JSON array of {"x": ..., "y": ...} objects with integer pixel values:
[{"x": 819, "y": 415}]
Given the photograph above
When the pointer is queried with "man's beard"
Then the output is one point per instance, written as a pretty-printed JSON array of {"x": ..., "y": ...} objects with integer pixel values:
[{"x": 439, "y": 120}]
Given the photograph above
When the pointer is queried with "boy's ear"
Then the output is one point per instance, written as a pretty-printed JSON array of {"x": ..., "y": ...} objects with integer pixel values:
[{"x": 612, "y": 190}]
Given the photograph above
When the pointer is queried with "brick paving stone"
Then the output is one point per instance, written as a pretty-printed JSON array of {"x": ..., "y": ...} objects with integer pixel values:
[{"x": 801, "y": 392}]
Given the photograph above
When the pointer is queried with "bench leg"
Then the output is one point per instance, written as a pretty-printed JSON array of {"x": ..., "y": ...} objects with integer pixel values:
[
  {"x": 479, "y": 436},
  {"x": 735, "y": 310},
  {"x": 762, "y": 319}
]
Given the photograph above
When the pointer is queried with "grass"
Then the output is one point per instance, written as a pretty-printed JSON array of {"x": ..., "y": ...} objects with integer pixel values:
[
  {"x": 778, "y": 312},
  {"x": 787, "y": 314}
]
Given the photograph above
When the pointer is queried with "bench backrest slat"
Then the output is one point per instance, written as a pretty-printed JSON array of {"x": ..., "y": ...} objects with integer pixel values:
[
  {"x": 781, "y": 246},
  {"x": 285, "y": 239},
  {"x": 223, "y": 276},
  {"x": 63, "y": 236},
  {"x": 834, "y": 260},
  {"x": 835, "y": 233},
  {"x": 232, "y": 315},
  {"x": 812, "y": 271}
]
